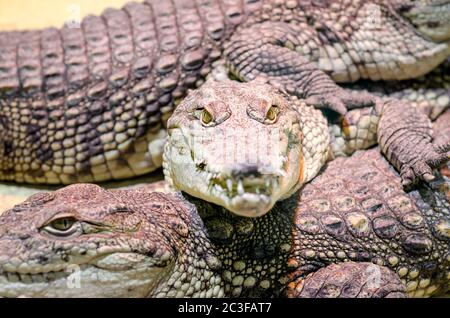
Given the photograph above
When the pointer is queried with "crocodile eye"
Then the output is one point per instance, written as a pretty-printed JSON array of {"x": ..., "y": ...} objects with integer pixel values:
[
  {"x": 63, "y": 226},
  {"x": 206, "y": 117},
  {"x": 272, "y": 113}
]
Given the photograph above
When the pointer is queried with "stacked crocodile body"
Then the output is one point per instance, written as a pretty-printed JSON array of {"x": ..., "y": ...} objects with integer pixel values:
[
  {"x": 93, "y": 103},
  {"x": 90, "y": 104},
  {"x": 429, "y": 93},
  {"x": 351, "y": 232}
]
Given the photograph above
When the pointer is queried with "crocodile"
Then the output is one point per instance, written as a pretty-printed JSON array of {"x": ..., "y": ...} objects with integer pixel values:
[
  {"x": 90, "y": 103},
  {"x": 247, "y": 145},
  {"x": 429, "y": 93},
  {"x": 352, "y": 232}
]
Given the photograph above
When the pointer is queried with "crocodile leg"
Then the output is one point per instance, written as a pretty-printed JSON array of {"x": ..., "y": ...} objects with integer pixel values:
[
  {"x": 405, "y": 138},
  {"x": 265, "y": 51},
  {"x": 404, "y": 133},
  {"x": 429, "y": 93},
  {"x": 349, "y": 280},
  {"x": 441, "y": 127},
  {"x": 431, "y": 101}
]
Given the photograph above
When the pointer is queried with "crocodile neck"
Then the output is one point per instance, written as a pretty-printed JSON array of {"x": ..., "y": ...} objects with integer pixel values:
[{"x": 253, "y": 252}]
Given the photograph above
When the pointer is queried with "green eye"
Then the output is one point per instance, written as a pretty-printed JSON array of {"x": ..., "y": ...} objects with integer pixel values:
[
  {"x": 206, "y": 117},
  {"x": 271, "y": 113},
  {"x": 64, "y": 226}
]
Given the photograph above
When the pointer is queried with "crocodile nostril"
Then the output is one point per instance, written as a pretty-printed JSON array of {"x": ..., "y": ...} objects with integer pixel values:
[{"x": 245, "y": 170}]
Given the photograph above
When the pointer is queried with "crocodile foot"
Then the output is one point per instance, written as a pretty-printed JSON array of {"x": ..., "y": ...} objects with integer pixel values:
[
  {"x": 349, "y": 280},
  {"x": 341, "y": 100},
  {"x": 422, "y": 168}
]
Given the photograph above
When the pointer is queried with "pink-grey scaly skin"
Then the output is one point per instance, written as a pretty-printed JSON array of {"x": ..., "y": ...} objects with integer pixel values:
[
  {"x": 359, "y": 204},
  {"x": 351, "y": 279},
  {"x": 90, "y": 104},
  {"x": 84, "y": 241},
  {"x": 247, "y": 145},
  {"x": 352, "y": 232},
  {"x": 430, "y": 93},
  {"x": 442, "y": 127}
]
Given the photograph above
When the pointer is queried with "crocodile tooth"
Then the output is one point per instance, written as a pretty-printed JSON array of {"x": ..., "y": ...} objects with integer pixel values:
[
  {"x": 8, "y": 267},
  {"x": 38, "y": 278},
  {"x": 240, "y": 187},
  {"x": 274, "y": 184},
  {"x": 267, "y": 183},
  {"x": 257, "y": 190},
  {"x": 12, "y": 277},
  {"x": 50, "y": 276},
  {"x": 47, "y": 268},
  {"x": 23, "y": 268},
  {"x": 229, "y": 185},
  {"x": 36, "y": 269},
  {"x": 25, "y": 278},
  {"x": 59, "y": 275}
]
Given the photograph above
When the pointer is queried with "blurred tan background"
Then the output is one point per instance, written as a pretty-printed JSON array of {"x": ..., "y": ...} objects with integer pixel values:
[{"x": 32, "y": 14}]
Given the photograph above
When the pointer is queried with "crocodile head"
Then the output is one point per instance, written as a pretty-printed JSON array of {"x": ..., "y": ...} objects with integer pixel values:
[
  {"x": 85, "y": 241},
  {"x": 243, "y": 146},
  {"x": 430, "y": 18}
]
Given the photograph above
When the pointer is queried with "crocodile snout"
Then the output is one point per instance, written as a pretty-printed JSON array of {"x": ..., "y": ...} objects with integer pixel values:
[{"x": 245, "y": 170}]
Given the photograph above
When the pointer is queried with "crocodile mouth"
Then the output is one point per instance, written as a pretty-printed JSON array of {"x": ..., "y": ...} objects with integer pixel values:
[
  {"x": 98, "y": 276},
  {"x": 246, "y": 196},
  {"x": 14, "y": 277},
  {"x": 11, "y": 280},
  {"x": 251, "y": 185}
]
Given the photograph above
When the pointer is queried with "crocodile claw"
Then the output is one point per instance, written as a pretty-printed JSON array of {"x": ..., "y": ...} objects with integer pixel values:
[
  {"x": 342, "y": 100},
  {"x": 422, "y": 169}
]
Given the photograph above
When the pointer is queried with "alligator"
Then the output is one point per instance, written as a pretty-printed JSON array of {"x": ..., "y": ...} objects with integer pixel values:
[
  {"x": 245, "y": 146},
  {"x": 351, "y": 232},
  {"x": 90, "y": 103}
]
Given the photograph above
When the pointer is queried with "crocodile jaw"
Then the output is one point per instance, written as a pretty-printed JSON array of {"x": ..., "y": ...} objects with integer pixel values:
[
  {"x": 113, "y": 275},
  {"x": 249, "y": 197}
]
